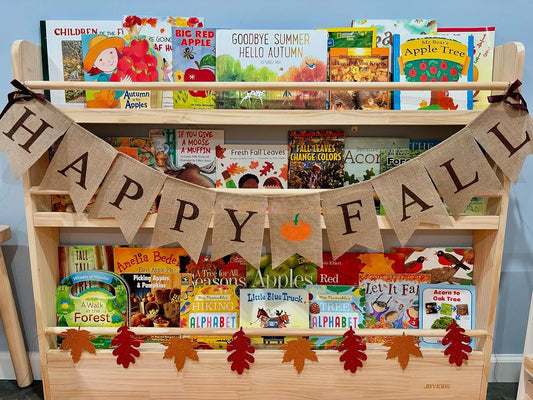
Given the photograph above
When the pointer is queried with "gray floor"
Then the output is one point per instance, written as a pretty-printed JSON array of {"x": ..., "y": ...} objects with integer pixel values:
[{"x": 10, "y": 391}]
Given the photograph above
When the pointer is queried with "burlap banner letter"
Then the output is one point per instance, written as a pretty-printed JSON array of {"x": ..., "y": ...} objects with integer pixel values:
[
  {"x": 239, "y": 225},
  {"x": 460, "y": 171},
  {"x": 127, "y": 194},
  {"x": 184, "y": 215},
  {"x": 350, "y": 217},
  {"x": 27, "y": 130},
  {"x": 409, "y": 198},
  {"x": 503, "y": 131},
  {"x": 295, "y": 227},
  {"x": 79, "y": 165}
]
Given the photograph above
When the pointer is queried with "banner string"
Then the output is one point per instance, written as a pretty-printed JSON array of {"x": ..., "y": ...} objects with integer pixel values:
[
  {"x": 511, "y": 94},
  {"x": 22, "y": 94}
]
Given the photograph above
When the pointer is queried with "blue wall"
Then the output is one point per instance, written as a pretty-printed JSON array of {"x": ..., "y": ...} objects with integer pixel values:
[{"x": 513, "y": 23}]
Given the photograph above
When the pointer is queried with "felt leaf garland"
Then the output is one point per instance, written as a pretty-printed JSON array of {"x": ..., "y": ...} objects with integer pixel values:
[
  {"x": 180, "y": 349},
  {"x": 241, "y": 358},
  {"x": 125, "y": 350},
  {"x": 401, "y": 347},
  {"x": 353, "y": 348},
  {"x": 297, "y": 351},
  {"x": 458, "y": 344},
  {"x": 76, "y": 341}
]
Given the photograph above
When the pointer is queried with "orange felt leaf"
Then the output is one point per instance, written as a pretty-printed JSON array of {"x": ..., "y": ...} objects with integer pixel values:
[
  {"x": 401, "y": 347},
  {"x": 76, "y": 341},
  {"x": 297, "y": 351},
  {"x": 180, "y": 349}
]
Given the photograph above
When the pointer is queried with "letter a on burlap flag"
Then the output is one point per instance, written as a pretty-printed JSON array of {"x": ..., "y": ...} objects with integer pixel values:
[
  {"x": 27, "y": 130},
  {"x": 127, "y": 194},
  {"x": 350, "y": 217},
  {"x": 460, "y": 171},
  {"x": 183, "y": 216},
  {"x": 79, "y": 165},
  {"x": 409, "y": 198},
  {"x": 295, "y": 227},
  {"x": 239, "y": 226}
]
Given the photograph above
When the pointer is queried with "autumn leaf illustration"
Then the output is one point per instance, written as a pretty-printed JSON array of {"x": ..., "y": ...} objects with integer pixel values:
[
  {"x": 180, "y": 349},
  {"x": 283, "y": 172},
  {"x": 401, "y": 347},
  {"x": 297, "y": 351},
  {"x": 219, "y": 183},
  {"x": 76, "y": 341},
  {"x": 267, "y": 167},
  {"x": 375, "y": 266},
  {"x": 219, "y": 151},
  {"x": 253, "y": 164},
  {"x": 235, "y": 169}
]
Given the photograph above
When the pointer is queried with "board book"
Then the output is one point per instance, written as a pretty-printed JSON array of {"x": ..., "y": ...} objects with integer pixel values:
[{"x": 78, "y": 258}]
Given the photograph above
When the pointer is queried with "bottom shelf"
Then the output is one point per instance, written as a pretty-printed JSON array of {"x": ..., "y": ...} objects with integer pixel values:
[{"x": 152, "y": 377}]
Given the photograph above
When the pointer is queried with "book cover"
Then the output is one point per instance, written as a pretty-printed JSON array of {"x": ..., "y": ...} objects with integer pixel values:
[
  {"x": 362, "y": 156},
  {"x": 140, "y": 148},
  {"x": 391, "y": 158},
  {"x": 422, "y": 144},
  {"x": 443, "y": 304},
  {"x": 252, "y": 166},
  {"x": 444, "y": 264},
  {"x": 316, "y": 159},
  {"x": 351, "y": 37},
  {"x": 193, "y": 60},
  {"x": 341, "y": 307},
  {"x": 77, "y": 258},
  {"x": 484, "y": 39},
  {"x": 271, "y": 56},
  {"x": 391, "y": 301},
  {"x": 63, "y": 56},
  {"x": 439, "y": 58},
  {"x": 229, "y": 270},
  {"x": 358, "y": 64},
  {"x": 386, "y": 28}
]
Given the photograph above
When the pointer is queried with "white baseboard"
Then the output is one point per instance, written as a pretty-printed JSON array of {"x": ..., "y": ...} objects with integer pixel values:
[{"x": 504, "y": 367}]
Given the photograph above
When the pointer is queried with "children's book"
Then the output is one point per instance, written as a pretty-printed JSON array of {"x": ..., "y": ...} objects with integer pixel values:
[
  {"x": 483, "y": 59},
  {"x": 423, "y": 144},
  {"x": 356, "y": 64},
  {"x": 140, "y": 148},
  {"x": 229, "y": 270},
  {"x": 443, "y": 304},
  {"x": 63, "y": 56},
  {"x": 444, "y": 264},
  {"x": 271, "y": 56},
  {"x": 435, "y": 58},
  {"x": 193, "y": 60},
  {"x": 316, "y": 159},
  {"x": 392, "y": 300},
  {"x": 351, "y": 37},
  {"x": 79, "y": 258},
  {"x": 386, "y": 28},
  {"x": 341, "y": 307},
  {"x": 102, "y": 302},
  {"x": 362, "y": 156},
  {"x": 252, "y": 166}
]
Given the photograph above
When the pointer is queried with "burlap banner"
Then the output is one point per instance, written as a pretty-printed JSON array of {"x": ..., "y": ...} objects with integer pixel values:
[
  {"x": 409, "y": 198},
  {"x": 27, "y": 130},
  {"x": 350, "y": 217},
  {"x": 183, "y": 216},
  {"x": 127, "y": 194},
  {"x": 460, "y": 171},
  {"x": 295, "y": 227},
  {"x": 79, "y": 165},
  {"x": 239, "y": 225}
]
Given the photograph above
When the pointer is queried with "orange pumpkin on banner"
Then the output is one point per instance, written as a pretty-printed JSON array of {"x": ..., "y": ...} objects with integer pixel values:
[{"x": 295, "y": 230}]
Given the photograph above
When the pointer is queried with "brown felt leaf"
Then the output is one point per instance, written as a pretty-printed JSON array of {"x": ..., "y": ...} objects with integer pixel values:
[
  {"x": 401, "y": 347},
  {"x": 180, "y": 349},
  {"x": 76, "y": 341},
  {"x": 297, "y": 351}
]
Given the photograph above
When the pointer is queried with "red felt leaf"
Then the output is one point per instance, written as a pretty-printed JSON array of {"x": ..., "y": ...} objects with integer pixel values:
[
  {"x": 241, "y": 358},
  {"x": 353, "y": 348},
  {"x": 458, "y": 344},
  {"x": 125, "y": 351}
]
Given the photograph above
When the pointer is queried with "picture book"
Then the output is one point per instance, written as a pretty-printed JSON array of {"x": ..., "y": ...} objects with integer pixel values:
[
  {"x": 229, "y": 270},
  {"x": 391, "y": 301},
  {"x": 340, "y": 307},
  {"x": 362, "y": 156},
  {"x": 155, "y": 282},
  {"x": 386, "y": 28},
  {"x": 63, "y": 57},
  {"x": 391, "y": 158},
  {"x": 356, "y": 64},
  {"x": 193, "y": 60},
  {"x": 103, "y": 302},
  {"x": 351, "y": 37},
  {"x": 444, "y": 264},
  {"x": 435, "y": 58},
  {"x": 252, "y": 166},
  {"x": 443, "y": 304},
  {"x": 316, "y": 159},
  {"x": 77, "y": 258},
  {"x": 423, "y": 144},
  {"x": 483, "y": 59},
  {"x": 271, "y": 56},
  {"x": 140, "y": 148}
]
